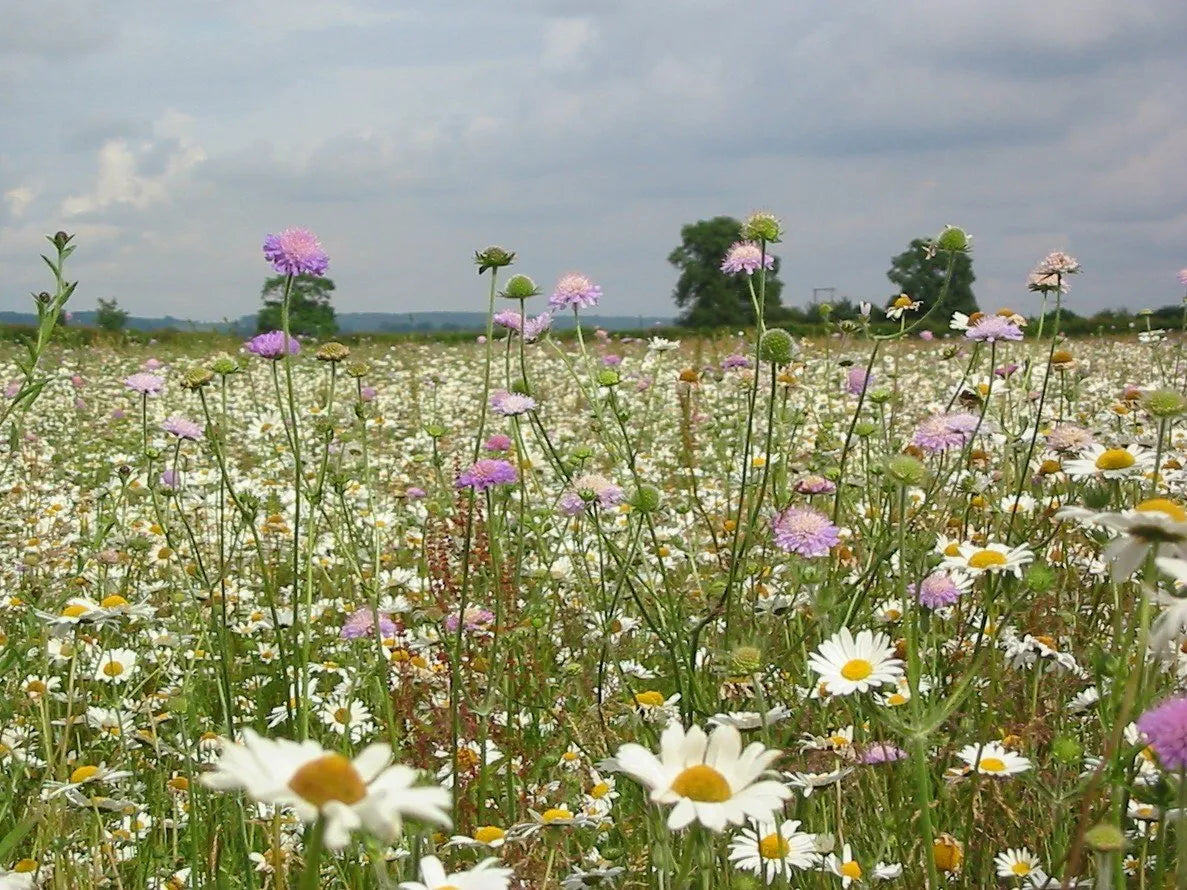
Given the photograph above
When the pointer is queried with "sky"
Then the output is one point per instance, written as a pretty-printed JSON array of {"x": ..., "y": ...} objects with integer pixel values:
[{"x": 171, "y": 137}]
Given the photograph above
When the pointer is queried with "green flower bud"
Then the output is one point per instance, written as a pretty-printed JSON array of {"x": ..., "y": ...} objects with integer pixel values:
[
  {"x": 1164, "y": 403},
  {"x": 435, "y": 430},
  {"x": 196, "y": 378},
  {"x": 493, "y": 258},
  {"x": 906, "y": 470},
  {"x": 583, "y": 452},
  {"x": 332, "y": 352},
  {"x": 519, "y": 287},
  {"x": 61, "y": 239},
  {"x": 358, "y": 369},
  {"x": 880, "y": 396},
  {"x": 1039, "y": 577},
  {"x": 1067, "y": 750},
  {"x": 776, "y": 347},
  {"x": 646, "y": 499},
  {"x": 521, "y": 387},
  {"x": 746, "y": 660},
  {"x": 762, "y": 226},
  {"x": 832, "y": 474},
  {"x": 609, "y": 377},
  {"x": 865, "y": 428},
  {"x": 1105, "y": 837},
  {"x": 224, "y": 366},
  {"x": 952, "y": 240}
]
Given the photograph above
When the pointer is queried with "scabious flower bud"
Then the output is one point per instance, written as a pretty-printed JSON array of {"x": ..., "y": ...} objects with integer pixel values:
[
  {"x": 953, "y": 240},
  {"x": 196, "y": 378},
  {"x": 609, "y": 377},
  {"x": 224, "y": 366},
  {"x": 1105, "y": 838},
  {"x": 776, "y": 346},
  {"x": 1164, "y": 403},
  {"x": 762, "y": 226},
  {"x": 493, "y": 258},
  {"x": 646, "y": 499},
  {"x": 357, "y": 369},
  {"x": 519, "y": 287},
  {"x": 865, "y": 428},
  {"x": 746, "y": 660},
  {"x": 61, "y": 239},
  {"x": 332, "y": 352},
  {"x": 906, "y": 470},
  {"x": 1067, "y": 750}
]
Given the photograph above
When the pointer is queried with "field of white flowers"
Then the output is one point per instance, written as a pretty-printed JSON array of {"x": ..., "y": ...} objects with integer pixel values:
[{"x": 872, "y": 609}]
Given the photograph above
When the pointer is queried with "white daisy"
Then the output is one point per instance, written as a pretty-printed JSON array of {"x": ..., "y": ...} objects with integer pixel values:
[
  {"x": 1156, "y": 522},
  {"x": 116, "y": 666},
  {"x": 1016, "y": 862},
  {"x": 991, "y": 759},
  {"x": 993, "y": 557},
  {"x": 486, "y": 875},
  {"x": 769, "y": 849},
  {"x": 844, "y": 866},
  {"x": 367, "y": 793},
  {"x": 709, "y": 779},
  {"x": 848, "y": 664},
  {"x": 1110, "y": 463}
]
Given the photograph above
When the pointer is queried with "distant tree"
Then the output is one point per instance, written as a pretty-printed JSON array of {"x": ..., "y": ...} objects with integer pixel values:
[
  {"x": 310, "y": 312},
  {"x": 707, "y": 295},
  {"x": 110, "y": 317},
  {"x": 921, "y": 278}
]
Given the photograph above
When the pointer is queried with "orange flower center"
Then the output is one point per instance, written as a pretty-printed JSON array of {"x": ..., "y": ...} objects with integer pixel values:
[{"x": 326, "y": 778}]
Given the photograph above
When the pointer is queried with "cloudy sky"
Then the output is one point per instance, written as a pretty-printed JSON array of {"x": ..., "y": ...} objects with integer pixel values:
[{"x": 583, "y": 133}]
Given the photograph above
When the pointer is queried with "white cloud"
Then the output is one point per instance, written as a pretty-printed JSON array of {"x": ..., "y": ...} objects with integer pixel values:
[{"x": 18, "y": 200}]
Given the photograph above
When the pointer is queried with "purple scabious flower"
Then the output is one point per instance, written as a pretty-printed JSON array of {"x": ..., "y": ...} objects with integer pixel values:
[
  {"x": 271, "y": 345},
  {"x": 734, "y": 360},
  {"x": 805, "y": 531},
  {"x": 612, "y": 361},
  {"x": 532, "y": 328},
  {"x": 361, "y": 623},
  {"x": 992, "y": 328},
  {"x": 746, "y": 256},
  {"x": 571, "y": 504},
  {"x": 588, "y": 488},
  {"x": 1183, "y": 277},
  {"x": 926, "y": 335},
  {"x": 882, "y": 752},
  {"x": 810, "y": 485},
  {"x": 944, "y": 431},
  {"x": 937, "y": 591},
  {"x": 1165, "y": 727},
  {"x": 296, "y": 251},
  {"x": 857, "y": 380},
  {"x": 486, "y": 474},
  {"x": 144, "y": 383},
  {"x": 182, "y": 428},
  {"x": 415, "y": 493},
  {"x": 474, "y": 618},
  {"x": 511, "y": 404},
  {"x": 497, "y": 443},
  {"x": 169, "y": 479},
  {"x": 1006, "y": 371},
  {"x": 575, "y": 292}
]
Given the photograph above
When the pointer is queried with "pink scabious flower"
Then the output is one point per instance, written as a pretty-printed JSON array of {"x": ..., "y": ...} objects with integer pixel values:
[
  {"x": 1069, "y": 438},
  {"x": 182, "y": 428},
  {"x": 746, "y": 256},
  {"x": 805, "y": 531},
  {"x": 810, "y": 485},
  {"x": 474, "y": 618},
  {"x": 1058, "y": 263},
  {"x": 734, "y": 360},
  {"x": 296, "y": 251},
  {"x": 575, "y": 291},
  {"x": 992, "y": 328},
  {"x": 882, "y": 752},
  {"x": 1165, "y": 727},
  {"x": 144, "y": 383},
  {"x": 1183, "y": 277},
  {"x": 937, "y": 591},
  {"x": 926, "y": 335},
  {"x": 944, "y": 431},
  {"x": 587, "y": 488},
  {"x": 511, "y": 404},
  {"x": 498, "y": 443},
  {"x": 361, "y": 623},
  {"x": 857, "y": 380},
  {"x": 532, "y": 327},
  {"x": 487, "y": 473},
  {"x": 271, "y": 345}
]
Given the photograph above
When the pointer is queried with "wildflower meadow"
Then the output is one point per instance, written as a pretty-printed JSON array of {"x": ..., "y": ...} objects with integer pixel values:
[{"x": 882, "y": 607}]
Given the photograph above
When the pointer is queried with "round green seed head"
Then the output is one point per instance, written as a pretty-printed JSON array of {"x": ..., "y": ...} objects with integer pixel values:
[{"x": 776, "y": 346}]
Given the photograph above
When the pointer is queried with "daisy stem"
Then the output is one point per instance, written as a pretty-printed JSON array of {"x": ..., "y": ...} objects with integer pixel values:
[{"x": 310, "y": 877}]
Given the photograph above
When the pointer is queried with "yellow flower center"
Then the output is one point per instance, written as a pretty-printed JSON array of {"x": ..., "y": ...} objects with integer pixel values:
[
  {"x": 992, "y": 765},
  {"x": 600, "y": 790},
  {"x": 983, "y": 559},
  {"x": 35, "y": 687},
  {"x": 773, "y": 846},
  {"x": 895, "y": 699},
  {"x": 851, "y": 869},
  {"x": 488, "y": 834},
  {"x": 1021, "y": 869},
  {"x": 25, "y": 866},
  {"x": 83, "y": 773},
  {"x": 342, "y": 715},
  {"x": 329, "y": 777},
  {"x": 75, "y": 611},
  {"x": 902, "y": 302},
  {"x": 111, "y": 602},
  {"x": 856, "y": 669},
  {"x": 952, "y": 549},
  {"x": 569, "y": 756},
  {"x": 649, "y": 699},
  {"x": 556, "y": 814},
  {"x": 703, "y": 784},
  {"x": 1162, "y": 505},
  {"x": 1115, "y": 459},
  {"x": 113, "y": 669}
]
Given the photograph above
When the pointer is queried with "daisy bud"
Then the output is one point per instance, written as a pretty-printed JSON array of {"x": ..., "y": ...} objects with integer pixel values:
[
  {"x": 952, "y": 240},
  {"x": 762, "y": 226},
  {"x": 61, "y": 239},
  {"x": 1067, "y": 750},
  {"x": 1039, "y": 578},
  {"x": 906, "y": 470},
  {"x": 519, "y": 287},
  {"x": 1164, "y": 403}
]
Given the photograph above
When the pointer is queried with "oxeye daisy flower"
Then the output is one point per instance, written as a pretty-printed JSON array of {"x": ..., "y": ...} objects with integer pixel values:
[
  {"x": 805, "y": 531},
  {"x": 844, "y": 866},
  {"x": 991, "y": 759},
  {"x": 1016, "y": 862},
  {"x": 486, "y": 875},
  {"x": 746, "y": 257},
  {"x": 296, "y": 251},
  {"x": 368, "y": 793},
  {"x": 848, "y": 664},
  {"x": 972, "y": 560},
  {"x": 1110, "y": 463},
  {"x": 1158, "y": 523},
  {"x": 575, "y": 291},
  {"x": 769, "y": 849},
  {"x": 708, "y": 779},
  {"x": 116, "y": 666}
]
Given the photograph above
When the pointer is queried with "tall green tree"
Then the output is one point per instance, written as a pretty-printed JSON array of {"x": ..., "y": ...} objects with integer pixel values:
[
  {"x": 110, "y": 317},
  {"x": 921, "y": 277},
  {"x": 310, "y": 312},
  {"x": 708, "y": 296}
]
